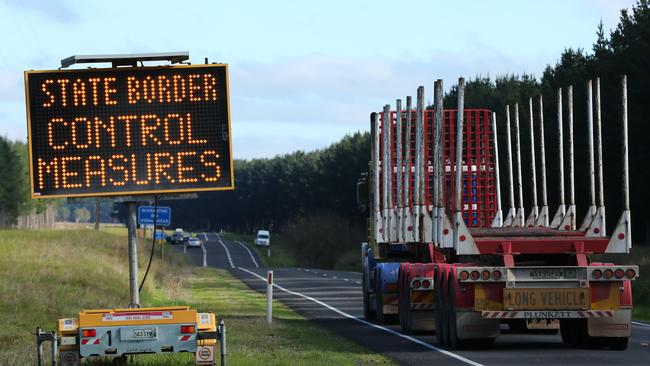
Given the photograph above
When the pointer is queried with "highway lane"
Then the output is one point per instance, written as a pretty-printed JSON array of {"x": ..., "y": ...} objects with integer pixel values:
[{"x": 333, "y": 299}]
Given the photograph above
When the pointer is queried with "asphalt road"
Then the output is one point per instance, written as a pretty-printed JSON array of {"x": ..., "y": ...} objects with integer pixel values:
[{"x": 333, "y": 300}]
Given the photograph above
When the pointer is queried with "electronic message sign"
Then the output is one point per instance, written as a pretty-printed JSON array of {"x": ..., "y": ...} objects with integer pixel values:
[{"x": 124, "y": 131}]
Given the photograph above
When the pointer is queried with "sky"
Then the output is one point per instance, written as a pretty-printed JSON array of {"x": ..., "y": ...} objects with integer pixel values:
[{"x": 302, "y": 73}]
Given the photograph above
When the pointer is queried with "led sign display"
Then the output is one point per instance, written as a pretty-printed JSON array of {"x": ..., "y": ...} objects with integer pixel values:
[{"x": 125, "y": 131}]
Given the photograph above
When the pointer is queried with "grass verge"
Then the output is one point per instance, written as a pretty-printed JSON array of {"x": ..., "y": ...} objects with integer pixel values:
[{"x": 48, "y": 274}]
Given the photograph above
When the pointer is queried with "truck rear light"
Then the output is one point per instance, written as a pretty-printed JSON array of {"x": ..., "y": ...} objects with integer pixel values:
[
  {"x": 630, "y": 273},
  {"x": 474, "y": 275},
  {"x": 187, "y": 329},
  {"x": 619, "y": 273},
  {"x": 416, "y": 284},
  {"x": 87, "y": 333},
  {"x": 496, "y": 274},
  {"x": 464, "y": 275},
  {"x": 608, "y": 273},
  {"x": 426, "y": 283},
  {"x": 485, "y": 274},
  {"x": 597, "y": 274}
]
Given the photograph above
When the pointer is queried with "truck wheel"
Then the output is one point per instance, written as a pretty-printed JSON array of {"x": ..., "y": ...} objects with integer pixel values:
[
  {"x": 453, "y": 342},
  {"x": 445, "y": 315},
  {"x": 404, "y": 303},
  {"x": 613, "y": 343},
  {"x": 569, "y": 332},
  {"x": 379, "y": 302},
  {"x": 368, "y": 313},
  {"x": 439, "y": 311}
]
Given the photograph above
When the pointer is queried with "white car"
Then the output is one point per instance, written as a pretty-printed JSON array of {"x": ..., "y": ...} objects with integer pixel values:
[
  {"x": 263, "y": 238},
  {"x": 194, "y": 242}
]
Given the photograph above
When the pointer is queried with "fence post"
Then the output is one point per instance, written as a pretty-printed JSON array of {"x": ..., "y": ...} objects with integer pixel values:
[
  {"x": 205, "y": 255},
  {"x": 222, "y": 343},
  {"x": 269, "y": 297}
]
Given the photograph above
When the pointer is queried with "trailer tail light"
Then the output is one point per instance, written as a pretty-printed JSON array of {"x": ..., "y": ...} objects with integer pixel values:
[
  {"x": 464, "y": 275},
  {"x": 416, "y": 284},
  {"x": 496, "y": 274},
  {"x": 630, "y": 273},
  {"x": 88, "y": 333},
  {"x": 597, "y": 274},
  {"x": 187, "y": 329},
  {"x": 426, "y": 283},
  {"x": 474, "y": 275},
  {"x": 619, "y": 273},
  {"x": 608, "y": 273},
  {"x": 485, "y": 275}
]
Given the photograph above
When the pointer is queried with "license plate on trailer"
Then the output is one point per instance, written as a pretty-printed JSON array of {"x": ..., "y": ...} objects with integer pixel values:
[
  {"x": 553, "y": 273},
  {"x": 546, "y": 299},
  {"x": 144, "y": 333}
]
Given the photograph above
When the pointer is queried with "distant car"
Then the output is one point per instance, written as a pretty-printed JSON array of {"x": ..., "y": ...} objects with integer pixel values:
[
  {"x": 193, "y": 242},
  {"x": 263, "y": 238},
  {"x": 177, "y": 238}
]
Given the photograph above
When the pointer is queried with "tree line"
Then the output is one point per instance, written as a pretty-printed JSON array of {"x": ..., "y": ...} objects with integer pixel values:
[{"x": 275, "y": 193}]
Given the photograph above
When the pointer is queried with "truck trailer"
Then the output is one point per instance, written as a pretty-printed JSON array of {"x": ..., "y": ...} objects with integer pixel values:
[{"x": 442, "y": 257}]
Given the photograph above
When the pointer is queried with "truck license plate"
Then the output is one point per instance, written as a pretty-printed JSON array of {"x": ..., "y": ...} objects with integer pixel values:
[
  {"x": 144, "y": 333},
  {"x": 546, "y": 299},
  {"x": 553, "y": 273}
]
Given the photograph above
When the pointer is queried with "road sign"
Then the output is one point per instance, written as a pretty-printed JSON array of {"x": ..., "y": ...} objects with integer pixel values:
[
  {"x": 128, "y": 130},
  {"x": 205, "y": 355},
  {"x": 146, "y": 215}
]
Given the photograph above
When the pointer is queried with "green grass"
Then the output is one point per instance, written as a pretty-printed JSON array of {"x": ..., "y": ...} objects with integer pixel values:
[
  {"x": 280, "y": 255},
  {"x": 45, "y": 275}
]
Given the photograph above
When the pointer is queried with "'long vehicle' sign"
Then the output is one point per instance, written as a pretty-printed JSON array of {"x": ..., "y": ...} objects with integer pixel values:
[{"x": 123, "y": 131}]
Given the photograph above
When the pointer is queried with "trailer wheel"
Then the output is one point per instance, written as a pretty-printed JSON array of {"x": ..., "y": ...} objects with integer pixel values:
[
  {"x": 569, "y": 332},
  {"x": 453, "y": 340},
  {"x": 368, "y": 313},
  {"x": 613, "y": 343},
  {"x": 379, "y": 302},
  {"x": 439, "y": 311},
  {"x": 120, "y": 361},
  {"x": 404, "y": 313},
  {"x": 444, "y": 313}
]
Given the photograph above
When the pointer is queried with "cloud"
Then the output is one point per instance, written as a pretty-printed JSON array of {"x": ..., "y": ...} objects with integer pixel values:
[{"x": 56, "y": 10}]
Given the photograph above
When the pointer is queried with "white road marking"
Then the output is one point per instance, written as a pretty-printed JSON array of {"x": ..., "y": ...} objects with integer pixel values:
[
  {"x": 249, "y": 253},
  {"x": 232, "y": 265},
  {"x": 362, "y": 321},
  {"x": 357, "y": 282},
  {"x": 346, "y": 280},
  {"x": 334, "y": 277},
  {"x": 645, "y": 325}
]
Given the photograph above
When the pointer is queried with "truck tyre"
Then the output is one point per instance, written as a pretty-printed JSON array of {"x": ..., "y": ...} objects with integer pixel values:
[
  {"x": 453, "y": 340},
  {"x": 568, "y": 331},
  {"x": 368, "y": 313},
  {"x": 379, "y": 302},
  {"x": 439, "y": 311},
  {"x": 445, "y": 314},
  {"x": 404, "y": 305},
  {"x": 613, "y": 343}
]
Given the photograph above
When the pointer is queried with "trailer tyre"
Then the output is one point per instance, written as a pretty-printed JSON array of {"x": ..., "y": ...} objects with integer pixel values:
[
  {"x": 613, "y": 343},
  {"x": 453, "y": 340},
  {"x": 379, "y": 302},
  {"x": 439, "y": 311},
  {"x": 368, "y": 313},
  {"x": 405, "y": 318},
  {"x": 569, "y": 332}
]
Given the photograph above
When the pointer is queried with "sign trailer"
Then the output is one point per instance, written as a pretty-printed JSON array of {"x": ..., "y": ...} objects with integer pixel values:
[{"x": 130, "y": 131}]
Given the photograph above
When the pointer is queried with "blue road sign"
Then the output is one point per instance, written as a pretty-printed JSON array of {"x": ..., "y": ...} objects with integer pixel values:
[{"x": 146, "y": 213}]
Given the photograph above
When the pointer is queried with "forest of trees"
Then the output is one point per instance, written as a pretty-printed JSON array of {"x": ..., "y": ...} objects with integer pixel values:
[{"x": 290, "y": 190}]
